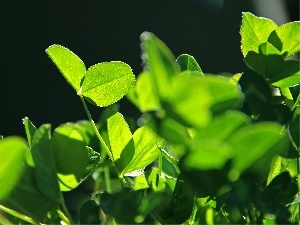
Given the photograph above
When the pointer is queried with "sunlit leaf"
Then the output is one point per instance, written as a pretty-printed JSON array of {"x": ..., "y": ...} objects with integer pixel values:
[
  {"x": 223, "y": 126},
  {"x": 188, "y": 62},
  {"x": 225, "y": 95},
  {"x": 27, "y": 199},
  {"x": 69, "y": 64},
  {"x": 188, "y": 101},
  {"x": 286, "y": 38},
  {"x": 143, "y": 95},
  {"x": 106, "y": 83},
  {"x": 289, "y": 77},
  {"x": 257, "y": 144},
  {"x": 13, "y": 152},
  {"x": 120, "y": 139},
  {"x": 145, "y": 149},
  {"x": 159, "y": 61},
  {"x": 30, "y": 129},
  {"x": 254, "y": 32},
  {"x": 70, "y": 156},
  {"x": 268, "y": 62}
]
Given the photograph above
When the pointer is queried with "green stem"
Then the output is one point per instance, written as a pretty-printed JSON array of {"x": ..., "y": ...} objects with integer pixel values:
[
  {"x": 108, "y": 152},
  {"x": 107, "y": 179},
  {"x": 17, "y": 214},
  {"x": 160, "y": 162},
  {"x": 296, "y": 102},
  {"x": 65, "y": 216}
]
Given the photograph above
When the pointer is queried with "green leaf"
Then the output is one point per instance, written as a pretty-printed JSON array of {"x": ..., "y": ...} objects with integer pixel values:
[
  {"x": 89, "y": 213},
  {"x": 183, "y": 200},
  {"x": 188, "y": 101},
  {"x": 207, "y": 154},
  {"x": 44, "y": 164},
  {"x": 156, "y": 182},
  {"x": 277, "y": 113},
  {"x": 160, "y": 62},
  {"x": 289, "y": 77},
  {"x": 223, "y": 126},
  {"x": 257, "y": 92},
  {"x": 172, "y": 131},
  {"x": 254, "y": 32},
  {"x": 13, "y": 151},
  {"x": 106, "y": 83},
  {"x": 286, "y": 38},
  {"x": 146, "y": 150},
  {"x": 267, "y": 63},
  {"x": 70, "y": 155},
  {"x": 294, "y": 128},
  {"x": 188, "y": 62},
  {"x": 257, "y": 144},
  {"x": 119, "y": 137},
  {"x": 225, "y": 95},
  {"x": 30, "y": 129},
  {"x": 27, "y": 199},
  {"x": 69, "y": 64},
  {"x": 142, "y": 94}
]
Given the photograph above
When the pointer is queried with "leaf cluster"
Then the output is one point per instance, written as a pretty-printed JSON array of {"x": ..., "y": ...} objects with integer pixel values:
[{"x": 207, "y": 148}]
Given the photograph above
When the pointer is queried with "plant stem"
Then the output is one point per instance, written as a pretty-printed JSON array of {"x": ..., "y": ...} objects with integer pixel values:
[
  {"x": 107, "y": 150},
  {"x": 17, "y": 214},
  {"x": 66, "y": 217},
  {"x": 107, "y": 179}
]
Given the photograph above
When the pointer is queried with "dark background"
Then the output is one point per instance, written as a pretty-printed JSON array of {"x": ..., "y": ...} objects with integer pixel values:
[{"x": 105, "y": 30}]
